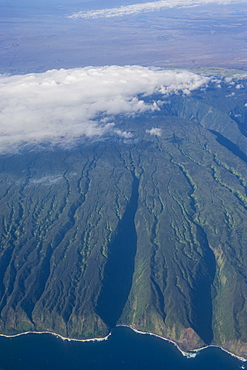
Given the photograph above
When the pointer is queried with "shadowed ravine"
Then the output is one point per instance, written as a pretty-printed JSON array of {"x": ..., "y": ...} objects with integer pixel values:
[
  {"x": 229, "y": 145},
  {"x": 201, "y": 300},
  {"x": 120, "y": 265}
]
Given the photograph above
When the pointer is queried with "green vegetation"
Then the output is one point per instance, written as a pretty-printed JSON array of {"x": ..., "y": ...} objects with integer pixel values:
[{"x": 61, "y": 211}]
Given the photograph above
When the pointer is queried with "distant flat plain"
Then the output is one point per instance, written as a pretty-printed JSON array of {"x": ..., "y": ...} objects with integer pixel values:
[{"x": 38, "y": 39}]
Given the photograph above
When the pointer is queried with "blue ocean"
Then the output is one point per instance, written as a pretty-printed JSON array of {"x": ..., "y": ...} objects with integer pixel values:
[{"x": 124, "y": 349}]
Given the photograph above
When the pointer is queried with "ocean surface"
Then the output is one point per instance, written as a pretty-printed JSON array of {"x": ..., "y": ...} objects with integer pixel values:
[{"x": 124, "y": 349}]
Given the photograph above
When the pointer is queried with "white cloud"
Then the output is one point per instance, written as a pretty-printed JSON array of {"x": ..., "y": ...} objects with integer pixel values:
[
  {"x": 61, "y": 106},
  {"x": 154, "y": 131},
  {"x": 147, "y": 7},
  {"x": 230, "y": 95},
  {"x": 239, "y": 86},
  {"x": 124, "y": 134}
]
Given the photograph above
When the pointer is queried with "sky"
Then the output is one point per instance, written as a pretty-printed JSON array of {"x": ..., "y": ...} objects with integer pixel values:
[{"x": 66, "y": 65}]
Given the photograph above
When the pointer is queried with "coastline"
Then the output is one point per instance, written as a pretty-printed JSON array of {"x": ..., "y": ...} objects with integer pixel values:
[
  {"x": 185, "y": 354},
  {"x": 58, "y": 336},
  {"x": 190, "y": 354}
]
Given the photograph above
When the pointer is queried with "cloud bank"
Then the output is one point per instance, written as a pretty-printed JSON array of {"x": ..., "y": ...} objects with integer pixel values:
[
  {"x": 146, "y": 7},
  {"x": 61, "y": 106}
]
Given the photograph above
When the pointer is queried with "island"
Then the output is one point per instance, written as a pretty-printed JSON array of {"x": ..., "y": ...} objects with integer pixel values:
[{"x": 147, "y": 230}]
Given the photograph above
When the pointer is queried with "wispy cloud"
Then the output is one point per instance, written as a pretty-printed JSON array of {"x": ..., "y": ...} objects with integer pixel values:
[
  {"x": 61, "y": 106},
  {"x": 46, "y": 180},
  {"x": 146, "y": 7}
]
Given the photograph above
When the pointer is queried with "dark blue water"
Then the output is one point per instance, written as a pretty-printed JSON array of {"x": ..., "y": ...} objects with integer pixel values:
[{"x": 124, "y": 349}]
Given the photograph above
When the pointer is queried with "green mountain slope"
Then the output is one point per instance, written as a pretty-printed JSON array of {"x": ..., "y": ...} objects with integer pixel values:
[{"x": 149, "y": 233}]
